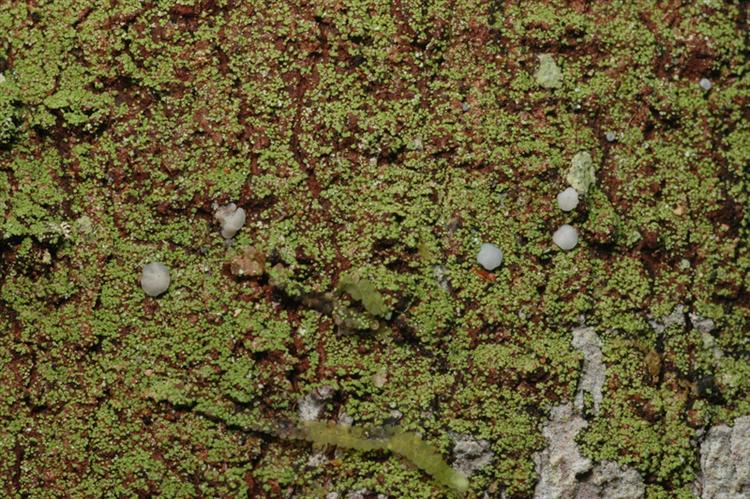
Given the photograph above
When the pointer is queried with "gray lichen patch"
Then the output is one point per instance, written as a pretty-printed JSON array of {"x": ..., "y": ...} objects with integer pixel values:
[
  {"x": 676, "y": 318},
  {"x": 725, "y": 462},
  {"x": 566, "y": 473},
  {"x": 609, "y": 480},
  {"x": 593, "y": 373},
  {"x": 470, "y": 454},
  {"x": 702, "y": 324},
  {"x": 561, "y": 462},
  {"x": 310, "y": 407}
]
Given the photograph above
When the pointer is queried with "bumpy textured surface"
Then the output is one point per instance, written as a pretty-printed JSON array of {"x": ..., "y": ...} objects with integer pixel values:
[
  {"x": 725, "y": 467},
  {"x": 373, "y": 146}
]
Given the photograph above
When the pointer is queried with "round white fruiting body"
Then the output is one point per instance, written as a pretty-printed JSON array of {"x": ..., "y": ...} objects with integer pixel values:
[
  {"x": 231, "y": 218},
  {"x": 568, "y": 199},
  {"x": 566, "y": 237},
  {"x": 490, "y": 256},
  {"x": 155, "y": 278}
]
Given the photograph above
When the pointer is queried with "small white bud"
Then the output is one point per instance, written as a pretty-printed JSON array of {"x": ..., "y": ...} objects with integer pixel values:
[{"x": 566, "y": 237}]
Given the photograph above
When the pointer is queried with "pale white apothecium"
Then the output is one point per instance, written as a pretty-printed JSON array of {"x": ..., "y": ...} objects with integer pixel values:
[
  {"x": 231, "y": 219},
  {"x": 568, "y": 199},
  {"x": 490, "y": 256},
  {"x": 155, "y": 278},
  {"x": 566, "y": 237}
]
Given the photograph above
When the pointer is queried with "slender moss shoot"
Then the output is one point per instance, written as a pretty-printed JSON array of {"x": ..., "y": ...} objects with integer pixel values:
[{"x": 408, "y": 445}]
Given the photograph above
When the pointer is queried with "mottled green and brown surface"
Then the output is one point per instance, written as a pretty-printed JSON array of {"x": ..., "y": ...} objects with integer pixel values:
[{"x": 377, "y": 143}]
